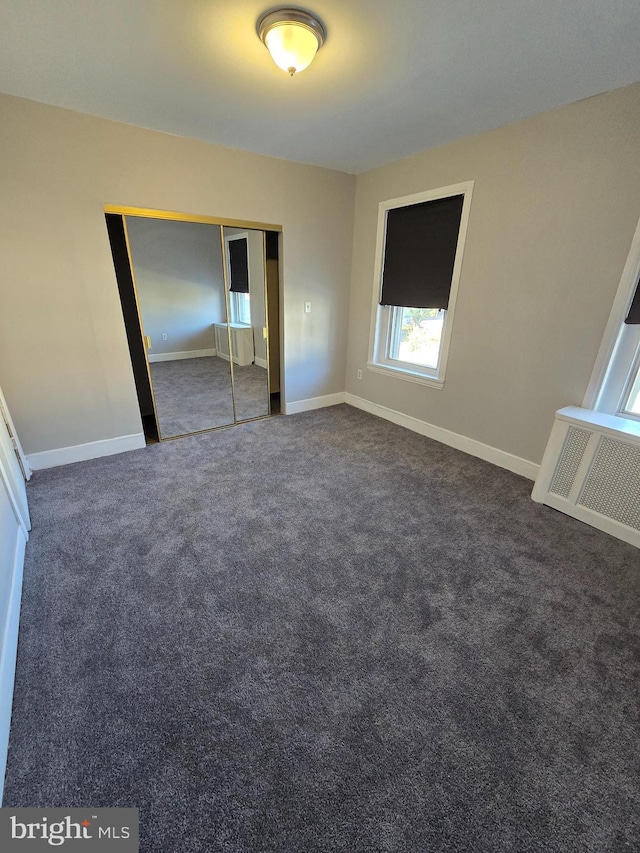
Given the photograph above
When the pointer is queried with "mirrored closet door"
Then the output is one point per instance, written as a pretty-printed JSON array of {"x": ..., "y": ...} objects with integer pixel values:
[
  {"x": 199, "y": 334},
  {"x": 245, "y": 258}
]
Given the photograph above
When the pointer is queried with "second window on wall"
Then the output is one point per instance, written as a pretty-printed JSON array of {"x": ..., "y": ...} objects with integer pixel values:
[
  {"x": 618, "y": 390},
  {"x": 418, "y": 261}
]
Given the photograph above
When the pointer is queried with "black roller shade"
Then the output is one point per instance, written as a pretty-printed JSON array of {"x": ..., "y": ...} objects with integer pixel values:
[
  {"x": 633, "y": 317},
  {"x": 239, "y": 266},
  {"x": 420, "y": 251}
]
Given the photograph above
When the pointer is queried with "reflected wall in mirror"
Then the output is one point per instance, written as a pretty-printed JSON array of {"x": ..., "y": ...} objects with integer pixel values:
[
  {"x": 179, "y": 278},
  {"x": 246, "y": 283}
]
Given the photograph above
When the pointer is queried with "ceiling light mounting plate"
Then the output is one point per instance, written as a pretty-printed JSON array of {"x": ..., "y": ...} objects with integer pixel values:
[{"x": 294, "y": 16}]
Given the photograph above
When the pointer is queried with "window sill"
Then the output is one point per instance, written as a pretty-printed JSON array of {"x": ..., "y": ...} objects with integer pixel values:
[
  {"x": 407, "y": 375},
  {"x": 617, "y": 425}
]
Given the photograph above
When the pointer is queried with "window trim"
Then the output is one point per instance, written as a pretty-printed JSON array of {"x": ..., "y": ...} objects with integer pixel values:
[
  {"x": 613, "y": 371},
  {"x": 381, "y": 314}
]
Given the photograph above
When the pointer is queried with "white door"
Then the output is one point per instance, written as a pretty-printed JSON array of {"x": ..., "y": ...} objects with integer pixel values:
[
  {"x": 14, "y": 527},
  {"x": 14, "y": 468}
]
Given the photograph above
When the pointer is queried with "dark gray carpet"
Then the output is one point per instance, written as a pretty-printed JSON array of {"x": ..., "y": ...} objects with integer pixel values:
[
  {"x": 326, "y": 633},
  {"x": 251, "y": 391},
  {"x": 193, "y": 394}
]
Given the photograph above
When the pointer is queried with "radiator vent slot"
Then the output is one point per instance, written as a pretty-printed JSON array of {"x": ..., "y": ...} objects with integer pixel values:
[
  {"x": 612, "y": 487},
  {"x": 575, "y": 445}
]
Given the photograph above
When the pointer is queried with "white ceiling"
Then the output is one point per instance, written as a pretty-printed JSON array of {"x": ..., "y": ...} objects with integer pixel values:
[{"x": 394, "y": 77}]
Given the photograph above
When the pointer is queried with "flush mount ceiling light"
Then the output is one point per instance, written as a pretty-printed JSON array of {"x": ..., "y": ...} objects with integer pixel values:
[{"x": 292, "y": 37}]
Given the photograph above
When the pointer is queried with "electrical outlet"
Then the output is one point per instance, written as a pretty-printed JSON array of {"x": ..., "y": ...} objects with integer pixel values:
[
  {"x": 359, "y": 374},
  {"x": 164, "y": 336}
]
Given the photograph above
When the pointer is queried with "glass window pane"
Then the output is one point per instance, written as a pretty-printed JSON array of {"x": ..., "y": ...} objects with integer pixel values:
[
  {"x": 416, "y": 334},
  {"x": 240, "y": 305},
  {"x": 633, "y": 402},
  {"x": 244, "y": 311}
]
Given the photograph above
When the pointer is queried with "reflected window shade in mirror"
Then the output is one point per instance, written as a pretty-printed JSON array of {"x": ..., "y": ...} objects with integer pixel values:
[
  {"x": 239, "y": 266},
  {"x": 633, "y": 317},
  {"x": 420, "y": 251}
]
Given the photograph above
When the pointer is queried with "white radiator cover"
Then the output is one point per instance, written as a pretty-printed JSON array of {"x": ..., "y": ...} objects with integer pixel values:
[
  {"x": 241, "y": 342},
  {"x": 591, "y": 471}
]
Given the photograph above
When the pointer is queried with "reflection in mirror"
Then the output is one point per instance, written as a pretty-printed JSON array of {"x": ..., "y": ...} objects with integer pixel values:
[
  {"x": 245, "y": 257},
  {"x": 179, "y": 279}
]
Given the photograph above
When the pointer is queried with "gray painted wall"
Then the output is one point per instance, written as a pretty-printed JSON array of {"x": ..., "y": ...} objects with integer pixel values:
[
  {"x": 179, "y": 280},
  {"x": 555, "y": 206},
  {"x": 64, "y": 361}
]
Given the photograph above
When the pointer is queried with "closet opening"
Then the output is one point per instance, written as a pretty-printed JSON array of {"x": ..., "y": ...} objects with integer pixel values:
[{"x": 200, "y": 302}]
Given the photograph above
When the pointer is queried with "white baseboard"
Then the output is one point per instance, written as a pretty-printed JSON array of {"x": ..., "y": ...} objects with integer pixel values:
[
  {"x": 177, "y": 356},
  {"x": 452, "y": 439},
  {"x": 298, "y": 406},
  {"x": 9, "y": 650},
  {"x": 236, "y": 360},
  {"x": 82, "y": 452},
  {"x": 261, "y": 362}
]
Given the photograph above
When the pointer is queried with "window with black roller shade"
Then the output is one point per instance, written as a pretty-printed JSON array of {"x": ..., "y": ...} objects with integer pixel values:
[
  {"x": 615, "y": 381},
  {"x": 418, "y": 266}
]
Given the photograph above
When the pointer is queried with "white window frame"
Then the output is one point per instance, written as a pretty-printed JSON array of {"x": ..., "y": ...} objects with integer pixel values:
[
  {"x": 632, "y": 388},
  {"x": 381, "y": 315},
  {"x": 618, "y": 361},
  {"x": 234, "y": 298}
]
